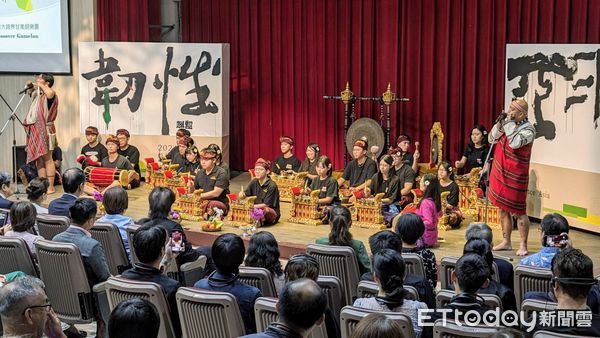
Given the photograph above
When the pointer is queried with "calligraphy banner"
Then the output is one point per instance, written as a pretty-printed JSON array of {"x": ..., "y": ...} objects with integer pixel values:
[
  {"x": 154, "y": 88},
  {"x": 560, "y": 82}
]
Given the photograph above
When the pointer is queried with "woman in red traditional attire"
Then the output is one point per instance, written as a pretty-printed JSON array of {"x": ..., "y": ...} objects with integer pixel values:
[
  {"x": 509, "y": 177},
  {"x": 39, "y": 126}
]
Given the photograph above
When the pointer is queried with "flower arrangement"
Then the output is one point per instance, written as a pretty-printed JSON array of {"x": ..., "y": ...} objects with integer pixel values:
[
  {"x": 257, "y": 214},
  {"x": 98, "y": 196},
  {"x": 174, "y": 215}
]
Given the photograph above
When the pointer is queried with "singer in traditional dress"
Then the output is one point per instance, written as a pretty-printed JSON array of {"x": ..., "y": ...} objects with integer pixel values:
[
  {"x": 509, "y": 177},
  {"x": 40, "y": 129}
]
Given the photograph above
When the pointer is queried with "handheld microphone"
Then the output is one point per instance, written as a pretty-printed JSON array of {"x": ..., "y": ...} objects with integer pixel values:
[
  {"x": 501, "y": 117},
  {"x": 27, "y": 87}
]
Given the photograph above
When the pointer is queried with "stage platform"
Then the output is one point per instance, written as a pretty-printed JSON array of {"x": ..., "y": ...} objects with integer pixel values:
[{"x": 293, "y": 237}]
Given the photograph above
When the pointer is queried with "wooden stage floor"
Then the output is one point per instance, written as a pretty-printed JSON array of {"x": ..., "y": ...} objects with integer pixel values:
[{"x": 293, "y": 237}]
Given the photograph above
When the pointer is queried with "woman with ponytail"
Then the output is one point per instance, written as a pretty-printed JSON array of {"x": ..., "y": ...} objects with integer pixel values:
[
  {"x": 388, "y": 273},
  {"x": 340, "y": 220}
]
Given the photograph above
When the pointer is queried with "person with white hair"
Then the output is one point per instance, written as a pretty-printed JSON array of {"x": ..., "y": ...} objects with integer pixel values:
[{"x": 26, "y": 311}]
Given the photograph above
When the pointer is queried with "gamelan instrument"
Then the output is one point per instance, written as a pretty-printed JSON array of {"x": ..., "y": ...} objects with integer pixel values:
[
  {"x": 305, "y": 208},
  {"x": 240, "y": 210},
  {"x": 190, "y": 205},
  {"x": 286, "y": 182},
  {"x": 366, "y": 212},
  {"x": 369, "y": 128}
]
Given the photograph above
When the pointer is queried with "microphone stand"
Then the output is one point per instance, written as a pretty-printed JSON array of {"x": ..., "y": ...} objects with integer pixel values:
[{"x": 12, "y": 118}]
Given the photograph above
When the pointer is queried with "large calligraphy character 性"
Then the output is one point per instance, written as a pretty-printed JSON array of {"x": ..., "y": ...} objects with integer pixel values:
[
  {"x": 556, "y": 63},
  {"x": 104, "y": 78},
  {"x": 201, "y": 92}
]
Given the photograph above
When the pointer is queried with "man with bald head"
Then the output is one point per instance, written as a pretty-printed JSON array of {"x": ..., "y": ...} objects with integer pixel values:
[
  {"x": 509, "y": 175},
  {"x": 26, "y": 311},
  {"x": 301, "y": 306}
]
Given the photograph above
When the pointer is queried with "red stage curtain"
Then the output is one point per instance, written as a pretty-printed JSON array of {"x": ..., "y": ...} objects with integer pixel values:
[
  {"x": 447, "y": 56},
  {"x": 119, "y": 20}
]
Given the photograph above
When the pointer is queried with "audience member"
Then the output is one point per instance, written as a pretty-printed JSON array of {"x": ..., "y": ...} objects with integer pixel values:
[
  {"x": 73, "y": 181},
  {"x": 410, "y": 227},
  {"x": 26, "y": 311},
  {"x": 152, "y": 248},
  {"x": 305, "y": 266},
  {"x": 471, "y": 274},
  {"x": 22, "y": 217},
  {"x": 386, "y": 239},
  {"x": 341, "y": 221},
  {"x": 115, "y": 203},
  {"x": 554, "y": 236},
  {"x": 484, "y": 249},
  {"x": 83, "y": 214},
  {"x": 7, "y": 189},
  {"x": 161, "y": 200},
  {"x": 301, "y": 306},
  {"x": 573, "y": 273},
  {"x": 134, "y": 318},
  {"x": 36, "y": 193},
  {"x": 263, "y": 252},
  {"x": 505, "y": 269},
  {"x": 388, "y": 272},
  {"x": 228, "y": 254},
  {"x": 377, "y": 325}
]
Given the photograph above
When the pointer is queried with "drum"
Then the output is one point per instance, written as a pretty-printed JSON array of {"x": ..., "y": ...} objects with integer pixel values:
[{"x": 105, "y": 176}]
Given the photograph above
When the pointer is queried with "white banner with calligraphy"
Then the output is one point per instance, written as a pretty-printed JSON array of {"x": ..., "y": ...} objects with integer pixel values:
[
  {"x": 561, "y": 84},
  {"x": 155, "y": 88}
]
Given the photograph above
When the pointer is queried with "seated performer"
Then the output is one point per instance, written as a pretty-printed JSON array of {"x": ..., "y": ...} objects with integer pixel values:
[
  {"x": 266, "y": 192},
  {"x": 313, "y": 151},
  {"x": 192, "y": 161},
  {"x": 446, "y": 178},
  {"x": 114, "y": 160},
  {"x": 131, "y": 153},
  {"x": 219, "y": 158},
  {"x": 411, "y": 159},
  {"x": 325, "y": 184},
  {"x": 287, "y": 163},
  {"x": 429, "y": 208},
  {"x": 359, "y": 170},
  {"x": 384, "y": 182},
  {"x": 178, "y": 157},
  {"x": 213, "y": 181},
  {"x": 94, "y": 151},
  {"x": 175, "y": 150},
  {"x": 477, "y": 149},
  {"x": 405, "y": 175}
]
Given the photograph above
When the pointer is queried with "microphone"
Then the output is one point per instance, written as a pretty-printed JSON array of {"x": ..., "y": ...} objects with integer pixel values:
[
  {"x": 27, "y": 87},
  {"x": 501, "y": 117}
]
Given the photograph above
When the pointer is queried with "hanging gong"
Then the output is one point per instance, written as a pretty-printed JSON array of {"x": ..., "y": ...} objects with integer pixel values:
[{"x": 368, "y": 128}]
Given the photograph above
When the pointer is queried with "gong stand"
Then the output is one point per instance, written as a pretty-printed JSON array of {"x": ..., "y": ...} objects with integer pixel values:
[{"x": 349, "y": 100}]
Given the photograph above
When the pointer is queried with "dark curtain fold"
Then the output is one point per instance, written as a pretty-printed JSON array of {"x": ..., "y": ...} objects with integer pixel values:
[
  {"x": 447, "y": 56},
  {"x": 119, "y": 20}
]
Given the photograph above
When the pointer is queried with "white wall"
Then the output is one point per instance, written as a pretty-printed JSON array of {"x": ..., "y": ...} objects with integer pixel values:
[{"x": 82, "y": 25}]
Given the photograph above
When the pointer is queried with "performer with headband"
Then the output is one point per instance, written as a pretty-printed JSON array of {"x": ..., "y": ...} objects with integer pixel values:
[
  {"x": 287, "y": 163},
  {"x": 213, "y": 181},
  {"x": 93, "y": 152},
  {"x": 40, "y": 129},
  {"x": 266, "y": 192},
  {"x": 178, "y": 135},
  {"x": 359, "y": 171},
  {"x": 509, "y": 177}
]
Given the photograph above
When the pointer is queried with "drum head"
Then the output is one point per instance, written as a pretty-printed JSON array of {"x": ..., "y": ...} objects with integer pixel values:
[{"x": 368, "y": 128}]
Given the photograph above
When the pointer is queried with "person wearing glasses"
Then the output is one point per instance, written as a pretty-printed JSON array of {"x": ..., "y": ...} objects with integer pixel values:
[{"x": 26, "y": 311}]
